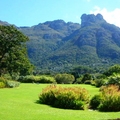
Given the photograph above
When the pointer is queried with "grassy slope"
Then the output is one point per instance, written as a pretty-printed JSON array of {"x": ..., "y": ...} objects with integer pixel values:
[{"x": 20, "y": 104}]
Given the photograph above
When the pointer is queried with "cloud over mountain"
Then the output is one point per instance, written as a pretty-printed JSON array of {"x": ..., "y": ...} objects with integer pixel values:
[{"x": 110, "y": 16}]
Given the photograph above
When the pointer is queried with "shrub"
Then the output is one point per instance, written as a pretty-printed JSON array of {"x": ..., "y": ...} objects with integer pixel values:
[
  {"x": 115, "y": 69},
  {"x": 78, "y": 80},
  {"x": 93, "y": 83},
  {"x": 2, "y": 85},
  {"x": 37, "y": 79},
  {"x": 12, "y": 84},
  {"x": 86, "y": 77},
  {"x": 2, "y": 82},
  {"x": 110, "y": 98},
  {"x": 99, "y": 82},
  {"x": 8, "y": 83},
  {"x": 115, "y": 79},
  {"x": 45, "y": 79},
  {"x": 26, "y": 79},
  {"x": 64, "y": 78},
  {"x": 107, "y": 100},
  {"x": 62, "y": 97},
  {"x": 95, "y": 101}
]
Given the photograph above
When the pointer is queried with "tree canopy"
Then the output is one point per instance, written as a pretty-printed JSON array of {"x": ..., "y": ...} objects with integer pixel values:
[{"x": 13, "y": 52}]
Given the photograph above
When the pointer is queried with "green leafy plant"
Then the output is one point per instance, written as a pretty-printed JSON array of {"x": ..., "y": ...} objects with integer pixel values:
[
  {"x": 12, "y": 84},
  {"x": 99, "y": 82},
  {"x": 8, "y": 83},
  {"x": 65, "y": 97},
  {"x": 37, "y": 79},
  {"x": 114, "y": 80},
  {"x": 2, "y": 85},
  {"x": 95, "y": 101},
  {"x": 64, "y": 78},
  {"x": 107, "y": 100},
  {"x": 2, "y": 82},
  {"x": 110, "y": 98},
  {"x": 86, "y": 78}
]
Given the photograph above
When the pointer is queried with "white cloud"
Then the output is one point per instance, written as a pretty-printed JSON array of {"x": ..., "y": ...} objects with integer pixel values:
[{"x": 110, "y": 16}]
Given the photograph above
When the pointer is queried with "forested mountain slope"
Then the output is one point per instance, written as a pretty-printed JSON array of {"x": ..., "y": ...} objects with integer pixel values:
[{"x": 59, "y": 46}]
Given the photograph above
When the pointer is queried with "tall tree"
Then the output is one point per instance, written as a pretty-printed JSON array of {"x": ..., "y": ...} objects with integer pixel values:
[{"x": 13, "y": 52}]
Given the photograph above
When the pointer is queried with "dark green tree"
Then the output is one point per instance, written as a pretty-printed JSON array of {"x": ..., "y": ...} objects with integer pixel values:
[
  {"x": 81, "y": 70},
  {"x": 86, "y": 77},
  {"x": 13, "y": 52},
  {"x": 115, "y": 69}
]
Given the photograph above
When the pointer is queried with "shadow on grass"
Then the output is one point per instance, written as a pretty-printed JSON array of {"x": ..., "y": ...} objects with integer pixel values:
[
  {"x": 114, "y": 119},
  {"x": 37, "y": 102}
]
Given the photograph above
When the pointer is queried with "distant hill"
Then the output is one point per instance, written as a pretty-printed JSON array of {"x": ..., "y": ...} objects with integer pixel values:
[
  {"x": 3, "y": 23},
  {"x": 45, "y": 39},
  {"x": 59, "y": 46}
]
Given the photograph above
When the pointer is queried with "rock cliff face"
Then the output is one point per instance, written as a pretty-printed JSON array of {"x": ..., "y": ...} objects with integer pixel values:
[
  {"x": 95, "y": 32},
  {"x": 87, "y": 20}
]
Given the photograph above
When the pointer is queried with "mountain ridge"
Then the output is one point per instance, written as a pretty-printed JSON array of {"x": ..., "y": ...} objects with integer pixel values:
[{"x": 59, "y": 46}]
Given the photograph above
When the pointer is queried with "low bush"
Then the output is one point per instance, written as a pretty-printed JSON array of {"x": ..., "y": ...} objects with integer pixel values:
[
  {"x": 12, "y": 84},
  {"x": 99, "y": 82},
  {"x": 86, "y": 78},
  {"x": 2, "y": 82},
  {"x": 45, "y": 79},
  {"x": 36, "y": 79},
  {"x": 107, "y": 100},
  {"x": 62, "y": 97},
  {"x": 78, "y": 80},
  {"x": 26, "y": 79},
  {"x": 110, "y": 98},
  {"x": 95, "y": 101},
  {"x": 8, "y": 83},
  {"x": 114, "y": 80},
  {"x": 64, "y": 78},
  {"x": 2, "y": 85}
]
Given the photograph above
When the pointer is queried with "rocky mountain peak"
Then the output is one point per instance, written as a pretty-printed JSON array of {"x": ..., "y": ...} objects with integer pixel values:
[{"x": 87, "y": 20}]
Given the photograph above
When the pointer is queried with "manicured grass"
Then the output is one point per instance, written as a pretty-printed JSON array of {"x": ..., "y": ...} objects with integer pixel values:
[{"x": 20, "y": 104}]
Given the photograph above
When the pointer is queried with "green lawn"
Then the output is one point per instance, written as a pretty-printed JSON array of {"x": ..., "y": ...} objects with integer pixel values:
[{"x": 20, "y": 104}]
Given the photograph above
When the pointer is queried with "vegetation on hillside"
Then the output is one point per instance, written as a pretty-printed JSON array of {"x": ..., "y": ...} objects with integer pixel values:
[{"x": 56, "y": 46}]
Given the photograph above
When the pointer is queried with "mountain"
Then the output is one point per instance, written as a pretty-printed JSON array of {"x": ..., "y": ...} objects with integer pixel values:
[
  {"x": 4, "y": 23},
  {"x": 96, "y": 43},
  {"x": 58, "y": 46},
  {"x": 45, "y": 39}
]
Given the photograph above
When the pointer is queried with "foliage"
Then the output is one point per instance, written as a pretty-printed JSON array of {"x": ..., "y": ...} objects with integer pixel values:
[
  {"x": 100, "y": 82},
  {"x": 12, "y": 84},
  {"x": 8, "y": 83},
  {"x": 107, "y": 100},
  {"x": 2, "y": 85},
  {"x": 95, "y": 101},
  {"x": 64, "y": 78},
  {"x": 13, "y": 54},
  {"x": 46, "y": 79},
  {"x": 65, "y": 97},
  {"x": 3, "y": 82},
  {"x": 81, "y": 70},
  {"x": 110, "y": 99},
  {"x": 86, "y": 77},
  {"x": 78, "y": 80},
  {"x": 115, "y": 69},
  {"x": 36, "y": 79},
  {"x": 69, "y": 45},
  {"x": 114, "y": 79}
]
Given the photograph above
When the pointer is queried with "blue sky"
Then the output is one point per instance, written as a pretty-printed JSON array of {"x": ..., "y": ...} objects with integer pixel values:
[{"x": 32, "y": 12}]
